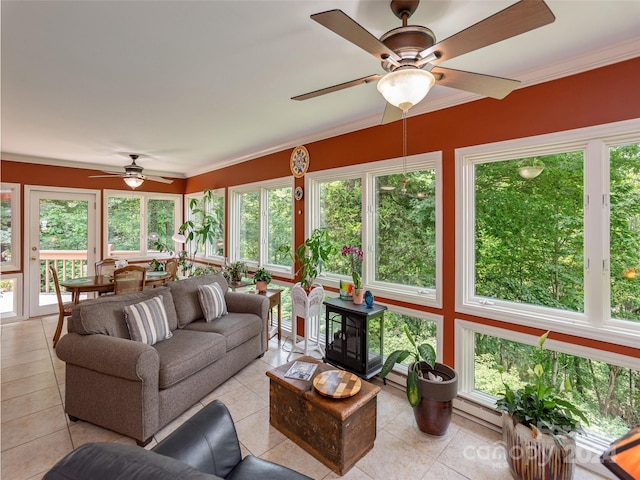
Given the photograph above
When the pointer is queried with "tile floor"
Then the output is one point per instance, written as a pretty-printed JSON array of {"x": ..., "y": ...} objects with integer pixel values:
[{"x": 36, "y": 433}]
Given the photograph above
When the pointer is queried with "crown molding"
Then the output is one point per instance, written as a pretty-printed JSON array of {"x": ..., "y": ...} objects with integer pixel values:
[{"x": 55, "y": 162}]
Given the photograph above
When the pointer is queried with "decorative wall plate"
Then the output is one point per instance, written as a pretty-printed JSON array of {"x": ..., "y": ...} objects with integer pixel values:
[
  {"x": 299, "y": 161},
  {"x": 298, "y": 194}
]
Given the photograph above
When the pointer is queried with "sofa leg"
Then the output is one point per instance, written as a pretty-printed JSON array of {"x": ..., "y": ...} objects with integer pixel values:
[
  {"x": 261, "y": 355},
  {"x": 72, "y": 418},
  {"x": 144, "y": 443}
]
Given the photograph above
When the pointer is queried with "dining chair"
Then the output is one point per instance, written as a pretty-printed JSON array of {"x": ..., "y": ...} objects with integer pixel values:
[
  {"x": 171, "y": 267},
  {"x": 129, "y": 279},
  {"x": 105, "y": 266},
  {"x": 64, "y": 308}
]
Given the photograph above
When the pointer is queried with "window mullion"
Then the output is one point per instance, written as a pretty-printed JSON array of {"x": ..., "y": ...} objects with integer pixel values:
[{"x": 596, "y": 238}]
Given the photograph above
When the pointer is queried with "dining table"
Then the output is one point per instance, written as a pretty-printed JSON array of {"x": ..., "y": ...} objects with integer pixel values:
[{"x": 104, "y": 284}]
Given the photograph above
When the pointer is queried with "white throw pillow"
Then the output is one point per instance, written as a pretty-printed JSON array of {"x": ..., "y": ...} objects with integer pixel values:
[
  {"x": 212, "y": 301},
  {"x": 147, "y": 321}
]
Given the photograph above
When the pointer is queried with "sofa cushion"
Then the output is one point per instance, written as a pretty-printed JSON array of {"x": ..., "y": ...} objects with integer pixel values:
[
  {"x": 116, "y": 461},
  {"x": 147, "y": 321},
  {"x": 105, "y": 315},
  {"x": 185, "y": 295},
  {"x": 212, "y": 301},
  {"x": 187, "y": 352},
  {"x": 237, "y": 328}
]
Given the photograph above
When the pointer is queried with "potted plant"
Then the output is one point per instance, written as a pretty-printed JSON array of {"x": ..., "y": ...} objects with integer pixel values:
[
  {"x": 311, "y": 256},
  {"x": 539, "y": 425},
  {"x": 262, "y": 277},
  {"x": 431, "y": 386},
  {"x": 204, "y": 226},
  {"x": 236, "y": 270}
]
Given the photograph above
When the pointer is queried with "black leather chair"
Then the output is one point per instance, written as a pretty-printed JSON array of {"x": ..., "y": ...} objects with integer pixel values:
[{"x": 205, "y": 447}]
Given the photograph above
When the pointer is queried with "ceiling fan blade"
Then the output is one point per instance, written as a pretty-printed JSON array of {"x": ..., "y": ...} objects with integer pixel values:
[
  {"x": 391, "y": 114},
  {"x": 518, "y": 18},
  {"x": 335, "y": 88},
  {"x": 340, "y": 23},
  {"x": 158, "y": 179},
  {"x": 487, "y": 85},
  {"x": 105, "y": 176}
]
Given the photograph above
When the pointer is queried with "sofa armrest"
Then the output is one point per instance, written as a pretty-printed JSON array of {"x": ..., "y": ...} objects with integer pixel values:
[
  {"x": 118, "y": 357},
  {"x": 247, "y": 303},
  {"x": 207, "y": 441}
]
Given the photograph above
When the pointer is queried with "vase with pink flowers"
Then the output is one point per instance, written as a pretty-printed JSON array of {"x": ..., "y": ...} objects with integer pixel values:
[{"x": 356, "y": 256}]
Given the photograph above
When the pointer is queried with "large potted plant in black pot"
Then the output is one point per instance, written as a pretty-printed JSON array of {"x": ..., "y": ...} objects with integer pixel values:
[
  {"x": 539, "y": 426},
  {"x": 431, "y": 386}
]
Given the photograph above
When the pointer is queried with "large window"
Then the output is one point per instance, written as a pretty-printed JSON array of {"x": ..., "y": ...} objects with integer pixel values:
[
  {"x": 207, "y": 207},
  {"x": 136, "y": 222},
  {"x": 624, "y": 231},
  {"x": 548, "y": 232},
  {"x": 529, "y": 231},
  {"x": 605, "y": 386},
  {"x": 9, "y": 223},
  {"x": 260, "y": 221},
  {"x": 390, "y": 210},
  {"x": 405, "y": 228}
]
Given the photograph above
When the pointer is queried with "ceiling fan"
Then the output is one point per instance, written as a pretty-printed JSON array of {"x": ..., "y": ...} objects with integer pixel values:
[
  {"x": 411, "y": 50},
  {"x": 132, "y": 174}
]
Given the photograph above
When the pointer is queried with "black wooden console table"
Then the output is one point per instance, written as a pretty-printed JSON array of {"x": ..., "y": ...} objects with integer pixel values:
[{"x": 354, "y": 336}]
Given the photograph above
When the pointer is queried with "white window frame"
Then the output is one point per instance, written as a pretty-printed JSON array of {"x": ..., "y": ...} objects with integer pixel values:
[
  {"x": 367, "y": 173},
  {"x": 483, "y": 405},
  {"x": 144, "y": 199},
  {"x": 14, "y": 264},
  {"x": 262, "y": 188},
  {"x": 208, "y": 253},
  {"x": 594, "y": 323},
  {"x": 16, "y": 312}
]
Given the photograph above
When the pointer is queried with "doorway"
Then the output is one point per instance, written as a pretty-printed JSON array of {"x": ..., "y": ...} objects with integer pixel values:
[{"x": 62, "y": 231}]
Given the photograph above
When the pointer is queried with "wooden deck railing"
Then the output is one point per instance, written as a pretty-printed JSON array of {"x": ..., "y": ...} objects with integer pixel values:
[{"x": 68, "y": 263}]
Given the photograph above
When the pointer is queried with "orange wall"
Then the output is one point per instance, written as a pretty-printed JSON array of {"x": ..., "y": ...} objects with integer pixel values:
[{"x": 600, "y": 96}]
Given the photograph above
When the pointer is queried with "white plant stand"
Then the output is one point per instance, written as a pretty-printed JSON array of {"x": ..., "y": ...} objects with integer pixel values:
[{"x": 307, "y": 307}]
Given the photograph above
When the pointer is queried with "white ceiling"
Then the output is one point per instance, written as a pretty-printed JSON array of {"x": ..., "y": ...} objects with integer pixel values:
[{"x": 196, "y": 85}]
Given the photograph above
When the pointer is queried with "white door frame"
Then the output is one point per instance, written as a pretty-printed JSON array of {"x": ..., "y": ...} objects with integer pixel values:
[{"x": 31, "y": 229}]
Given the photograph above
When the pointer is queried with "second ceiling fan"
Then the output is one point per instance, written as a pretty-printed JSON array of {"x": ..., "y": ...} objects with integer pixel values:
[{"x": 410, "y": 53}]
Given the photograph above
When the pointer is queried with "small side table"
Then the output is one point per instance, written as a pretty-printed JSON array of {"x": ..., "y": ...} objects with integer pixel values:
[{"x": 273, "y": 294}]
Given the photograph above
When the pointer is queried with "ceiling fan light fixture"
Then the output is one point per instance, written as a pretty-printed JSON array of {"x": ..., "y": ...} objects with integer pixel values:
[
  {"x": 133, "y": 182},
  {"x": 405, "y": 87},
  {"x": 530, "y": 171},
  {"x": 179, "y": 238}
]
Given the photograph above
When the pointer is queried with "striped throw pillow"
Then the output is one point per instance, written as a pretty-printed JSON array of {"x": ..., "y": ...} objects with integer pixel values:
[
  {"x": 212, "y": 301},
  {"x": 147, "y": 321}
]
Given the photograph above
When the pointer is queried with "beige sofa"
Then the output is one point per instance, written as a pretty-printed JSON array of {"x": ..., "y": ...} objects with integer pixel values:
[{"x": 136, "y": 389}]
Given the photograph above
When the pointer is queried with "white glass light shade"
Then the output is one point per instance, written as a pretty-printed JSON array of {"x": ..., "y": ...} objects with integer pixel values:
[
  {"x": 406, "y": 87},
  {"x": 179, "y": 238},
  {"x": 531, "y": 171},
  {"x": 133, "y": 182}
]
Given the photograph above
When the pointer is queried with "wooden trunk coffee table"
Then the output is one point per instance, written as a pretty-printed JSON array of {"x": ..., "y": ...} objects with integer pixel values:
[{"x": 336, "y": 431}]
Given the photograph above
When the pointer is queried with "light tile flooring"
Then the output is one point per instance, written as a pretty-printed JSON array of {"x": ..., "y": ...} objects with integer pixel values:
[{"x": 36, "y": 432}]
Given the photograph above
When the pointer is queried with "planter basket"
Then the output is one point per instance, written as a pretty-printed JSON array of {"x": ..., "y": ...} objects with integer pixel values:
[{"x": 540, "y": 458}]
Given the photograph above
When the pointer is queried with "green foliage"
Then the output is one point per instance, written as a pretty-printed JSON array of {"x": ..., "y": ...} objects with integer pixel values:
[
  {"x": 418, "y": 353},
  {"x": 262, "y": 275},
  {"x": 204, "y": 225},
  {"x": 124, "y": 223},
  {"x": 311, "y": 256},
  {"x": 541, "y": 406},
  {"x": 236, "y": 270}
]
